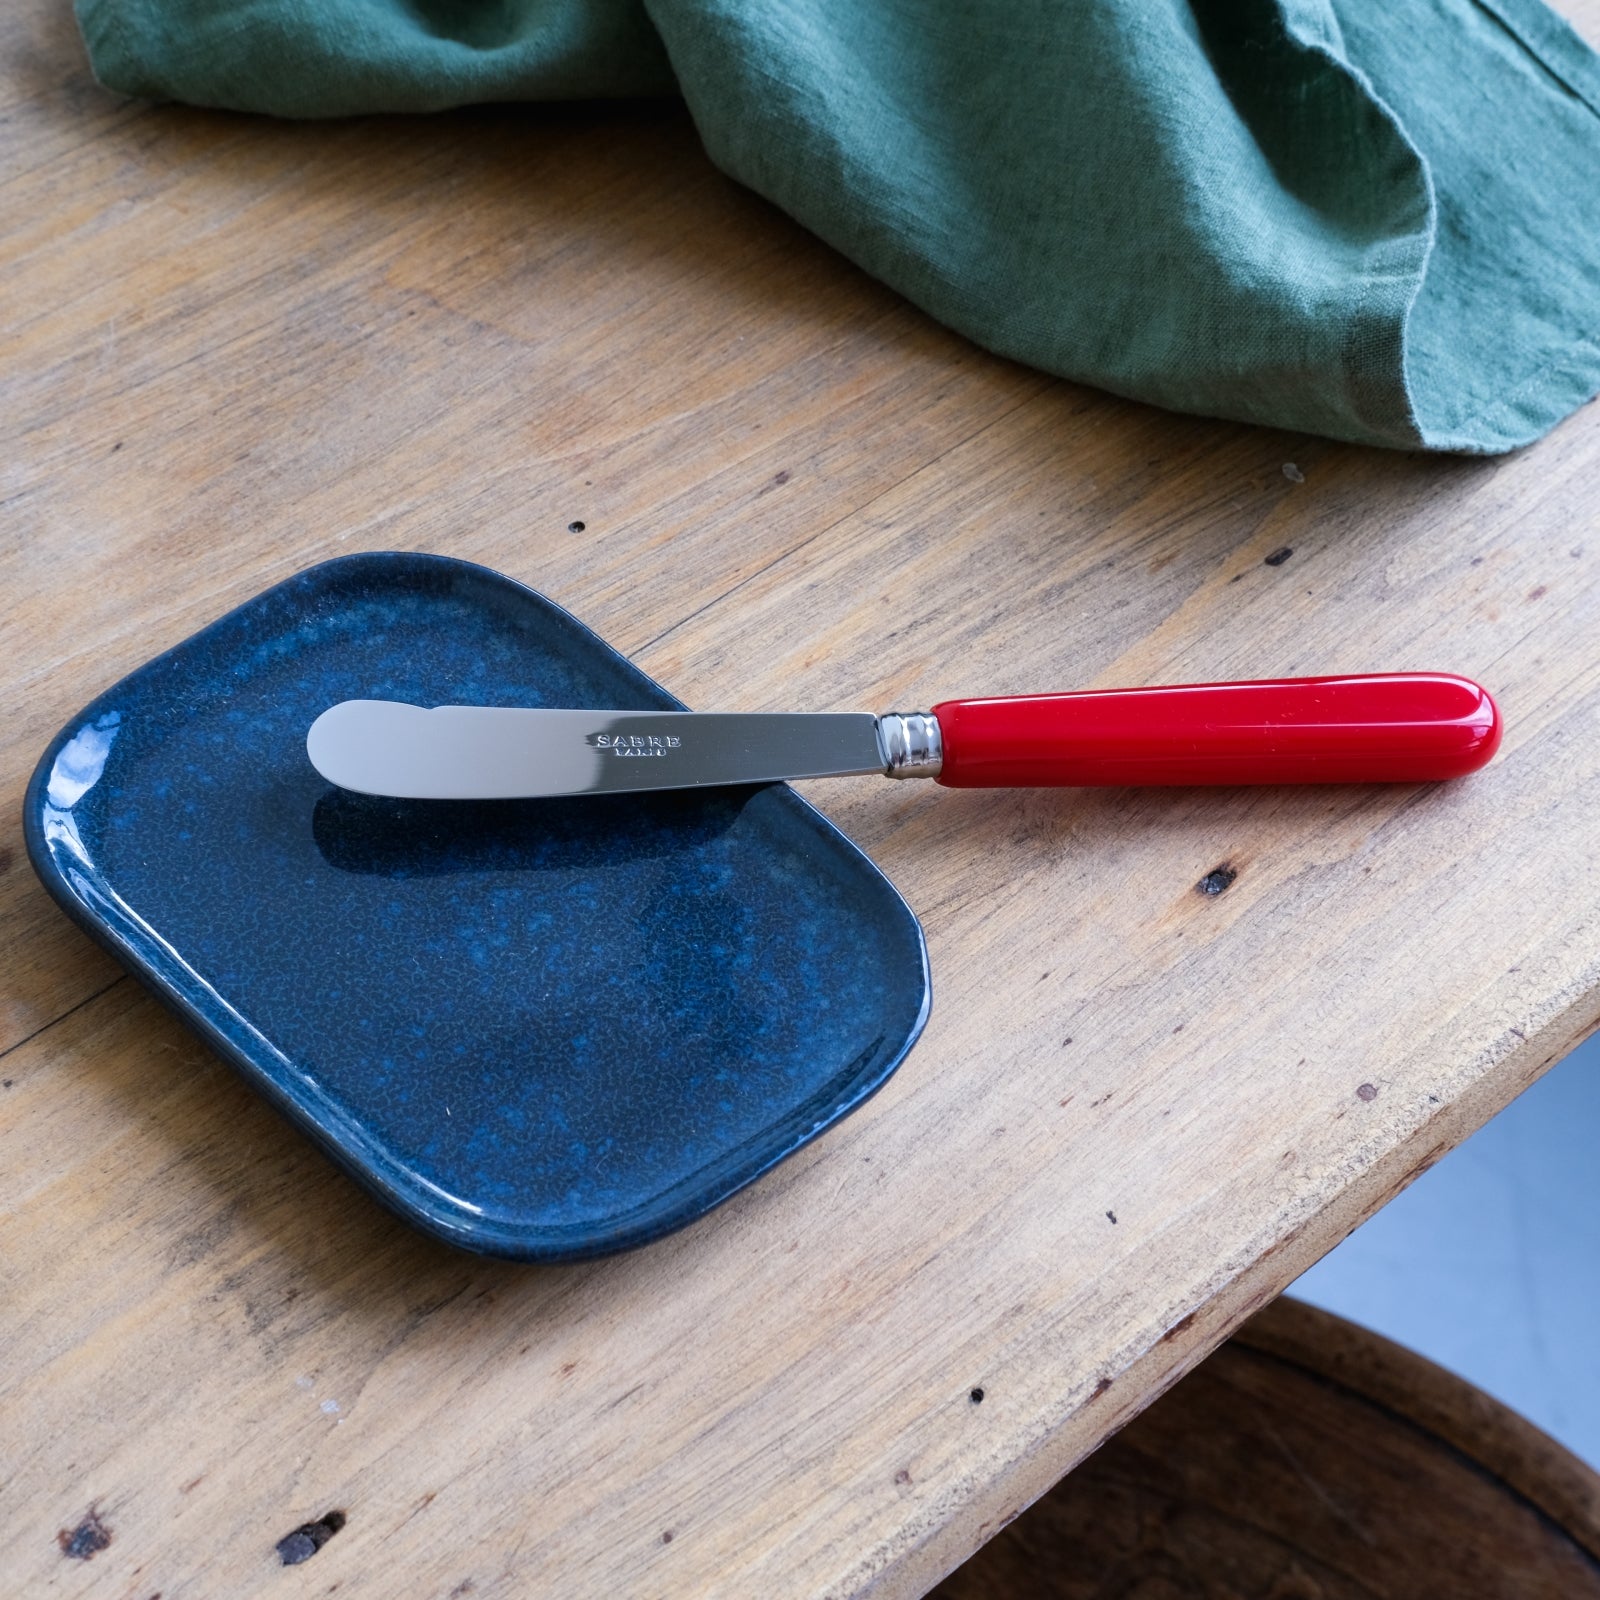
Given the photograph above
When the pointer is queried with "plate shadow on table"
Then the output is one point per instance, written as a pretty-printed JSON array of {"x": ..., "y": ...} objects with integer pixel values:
[{"x": 1237, "y": 826}]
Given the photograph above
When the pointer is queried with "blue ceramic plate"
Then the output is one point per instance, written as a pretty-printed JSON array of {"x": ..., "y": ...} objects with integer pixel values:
[{"x": 544, "y": 1029}]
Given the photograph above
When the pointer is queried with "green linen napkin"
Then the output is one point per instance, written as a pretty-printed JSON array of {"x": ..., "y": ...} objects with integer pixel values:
[{"x": 1379, "y": 221}]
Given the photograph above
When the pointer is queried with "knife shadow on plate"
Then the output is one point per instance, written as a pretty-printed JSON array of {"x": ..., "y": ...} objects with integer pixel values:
[{"x": 384, "y": 837}]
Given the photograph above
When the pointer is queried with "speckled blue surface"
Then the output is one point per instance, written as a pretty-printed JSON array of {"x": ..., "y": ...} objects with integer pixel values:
[{"x": 542, "y": 1029}]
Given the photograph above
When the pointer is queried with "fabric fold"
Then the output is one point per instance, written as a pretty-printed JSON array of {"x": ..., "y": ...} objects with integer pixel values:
[{"x": 1376, "y": 223}]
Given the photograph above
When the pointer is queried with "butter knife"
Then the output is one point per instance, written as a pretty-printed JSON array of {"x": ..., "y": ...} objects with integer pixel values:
[{"x": 1409, "y": 727}]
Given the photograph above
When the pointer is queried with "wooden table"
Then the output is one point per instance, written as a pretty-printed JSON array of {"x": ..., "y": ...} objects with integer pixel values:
[{"x": 559, "y": 343}]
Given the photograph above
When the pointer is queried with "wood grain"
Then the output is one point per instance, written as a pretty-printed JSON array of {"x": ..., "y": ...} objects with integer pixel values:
[
  {"x": 233, "y": 347},
  {"x": 1308, "y": 1459}
]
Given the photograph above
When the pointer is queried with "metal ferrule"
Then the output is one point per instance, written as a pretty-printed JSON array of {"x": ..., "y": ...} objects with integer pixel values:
[{"x": 910, "y": 744}]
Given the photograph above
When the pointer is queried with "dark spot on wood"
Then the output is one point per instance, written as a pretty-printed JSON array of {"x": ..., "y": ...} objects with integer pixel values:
[
  {"x": 1100, "y": 1388},
  {"x": 308, "y": 1538},
  {"x": 1043, "y": 976},
  {"x": 1367, "y": 1091},
  {"x": 116, "y": 447},
  {"x": 296, "y": 1547},
  {"x": 1094, "y": 1105},
  {"x": 976, "y": 1397},
  {"x": 1477, "y": 561},
  {"x": 1179, "y": 1028},
  {"x": 7, "y": 1082},
  {"x": 1539, "y": 591},
  {"x": 201, "y": 1241},
  {"x": 466, "y": 1586},
  {"x": 8, "y": 859},
  {"x": 1111, "y": 1217},
  {"x": 903, "y": 1475},
  {"x": 1236, "y": 577},
  {"x": 576, "y": 527},
  {"x": 1217, "y": 879},
  {"x": 1178, "y": 1328},
  {"x": 666, "y": 1536},
  {"x": 192, "y": 1484},
  {"x": 1065, "y": 1042},
  {"x": 87, "y": 1540},
  {"x": 782, "y": 477},
  {"x": 568, "y": 1368},
  {"x": 1278, "y": 556}
]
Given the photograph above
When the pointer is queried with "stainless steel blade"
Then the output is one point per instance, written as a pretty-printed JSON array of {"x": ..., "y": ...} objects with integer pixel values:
[{"x": 384, "y": 747}]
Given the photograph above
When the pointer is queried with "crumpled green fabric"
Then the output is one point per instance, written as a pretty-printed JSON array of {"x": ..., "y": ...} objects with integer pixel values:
[{"x": 1373, "y": 219}]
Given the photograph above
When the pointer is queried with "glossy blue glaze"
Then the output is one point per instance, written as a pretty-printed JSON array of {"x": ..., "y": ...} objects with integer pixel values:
[{"x": 540, "y": 1029}]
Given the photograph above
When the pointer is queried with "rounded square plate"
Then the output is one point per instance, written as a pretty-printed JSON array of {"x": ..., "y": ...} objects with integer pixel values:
[{"x": 543, "y": 1029}]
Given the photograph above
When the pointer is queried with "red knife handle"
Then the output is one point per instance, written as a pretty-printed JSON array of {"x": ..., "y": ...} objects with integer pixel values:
[{"x": 1395, "y": 727}]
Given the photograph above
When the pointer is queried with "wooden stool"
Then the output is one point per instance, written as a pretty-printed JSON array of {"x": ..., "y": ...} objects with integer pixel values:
[{"x": 1308, "y": 1459}]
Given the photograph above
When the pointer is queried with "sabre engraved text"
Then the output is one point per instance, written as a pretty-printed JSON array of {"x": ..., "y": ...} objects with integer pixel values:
[{"x": 633, "y": 744}]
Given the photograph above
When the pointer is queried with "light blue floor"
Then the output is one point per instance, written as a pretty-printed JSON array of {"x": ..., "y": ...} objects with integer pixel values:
[{"x": 1490, "y": 1264}]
